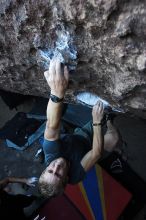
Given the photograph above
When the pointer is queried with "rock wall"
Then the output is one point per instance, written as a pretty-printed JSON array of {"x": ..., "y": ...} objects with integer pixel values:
[{"x": 110, "y": 36}]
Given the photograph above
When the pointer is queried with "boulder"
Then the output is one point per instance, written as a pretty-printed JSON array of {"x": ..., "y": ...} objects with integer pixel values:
[{"x": 110, "y": 39}]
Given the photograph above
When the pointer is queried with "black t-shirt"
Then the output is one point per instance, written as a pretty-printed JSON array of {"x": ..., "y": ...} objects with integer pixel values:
[{"x": 72, "y": 148}]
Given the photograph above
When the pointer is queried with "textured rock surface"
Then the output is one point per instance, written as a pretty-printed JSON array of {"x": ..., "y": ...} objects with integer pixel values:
[{"x": 111, "y": 42}]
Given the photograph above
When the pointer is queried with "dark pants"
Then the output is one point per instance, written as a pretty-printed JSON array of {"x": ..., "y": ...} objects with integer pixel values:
[{"x": 87, "y": 131}]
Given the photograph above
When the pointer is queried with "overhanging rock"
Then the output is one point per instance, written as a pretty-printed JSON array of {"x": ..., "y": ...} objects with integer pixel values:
[{"x": 110, "y": 38}]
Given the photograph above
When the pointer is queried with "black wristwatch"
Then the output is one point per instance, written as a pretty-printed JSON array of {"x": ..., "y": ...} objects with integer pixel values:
[{"x": 55, "y": 99}]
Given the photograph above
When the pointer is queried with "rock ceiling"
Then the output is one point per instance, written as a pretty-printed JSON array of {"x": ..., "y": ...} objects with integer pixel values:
[{"x": 110, "y": 38}]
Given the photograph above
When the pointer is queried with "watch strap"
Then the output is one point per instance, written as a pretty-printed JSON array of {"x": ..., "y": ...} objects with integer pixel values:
[{"x": 96, "y": 124}]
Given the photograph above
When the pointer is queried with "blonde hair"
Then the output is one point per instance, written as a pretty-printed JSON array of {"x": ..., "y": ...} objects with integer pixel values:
[{"x": 48, "y": 190}]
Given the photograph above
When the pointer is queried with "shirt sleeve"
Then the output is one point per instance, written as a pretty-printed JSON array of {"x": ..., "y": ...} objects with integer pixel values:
[
  {"x": 51, "y": 150},
  {"x": 77, "y": 175}
]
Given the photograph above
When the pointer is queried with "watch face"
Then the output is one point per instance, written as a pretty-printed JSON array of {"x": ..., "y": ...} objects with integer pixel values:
[{"x": 55, "y": 98}]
